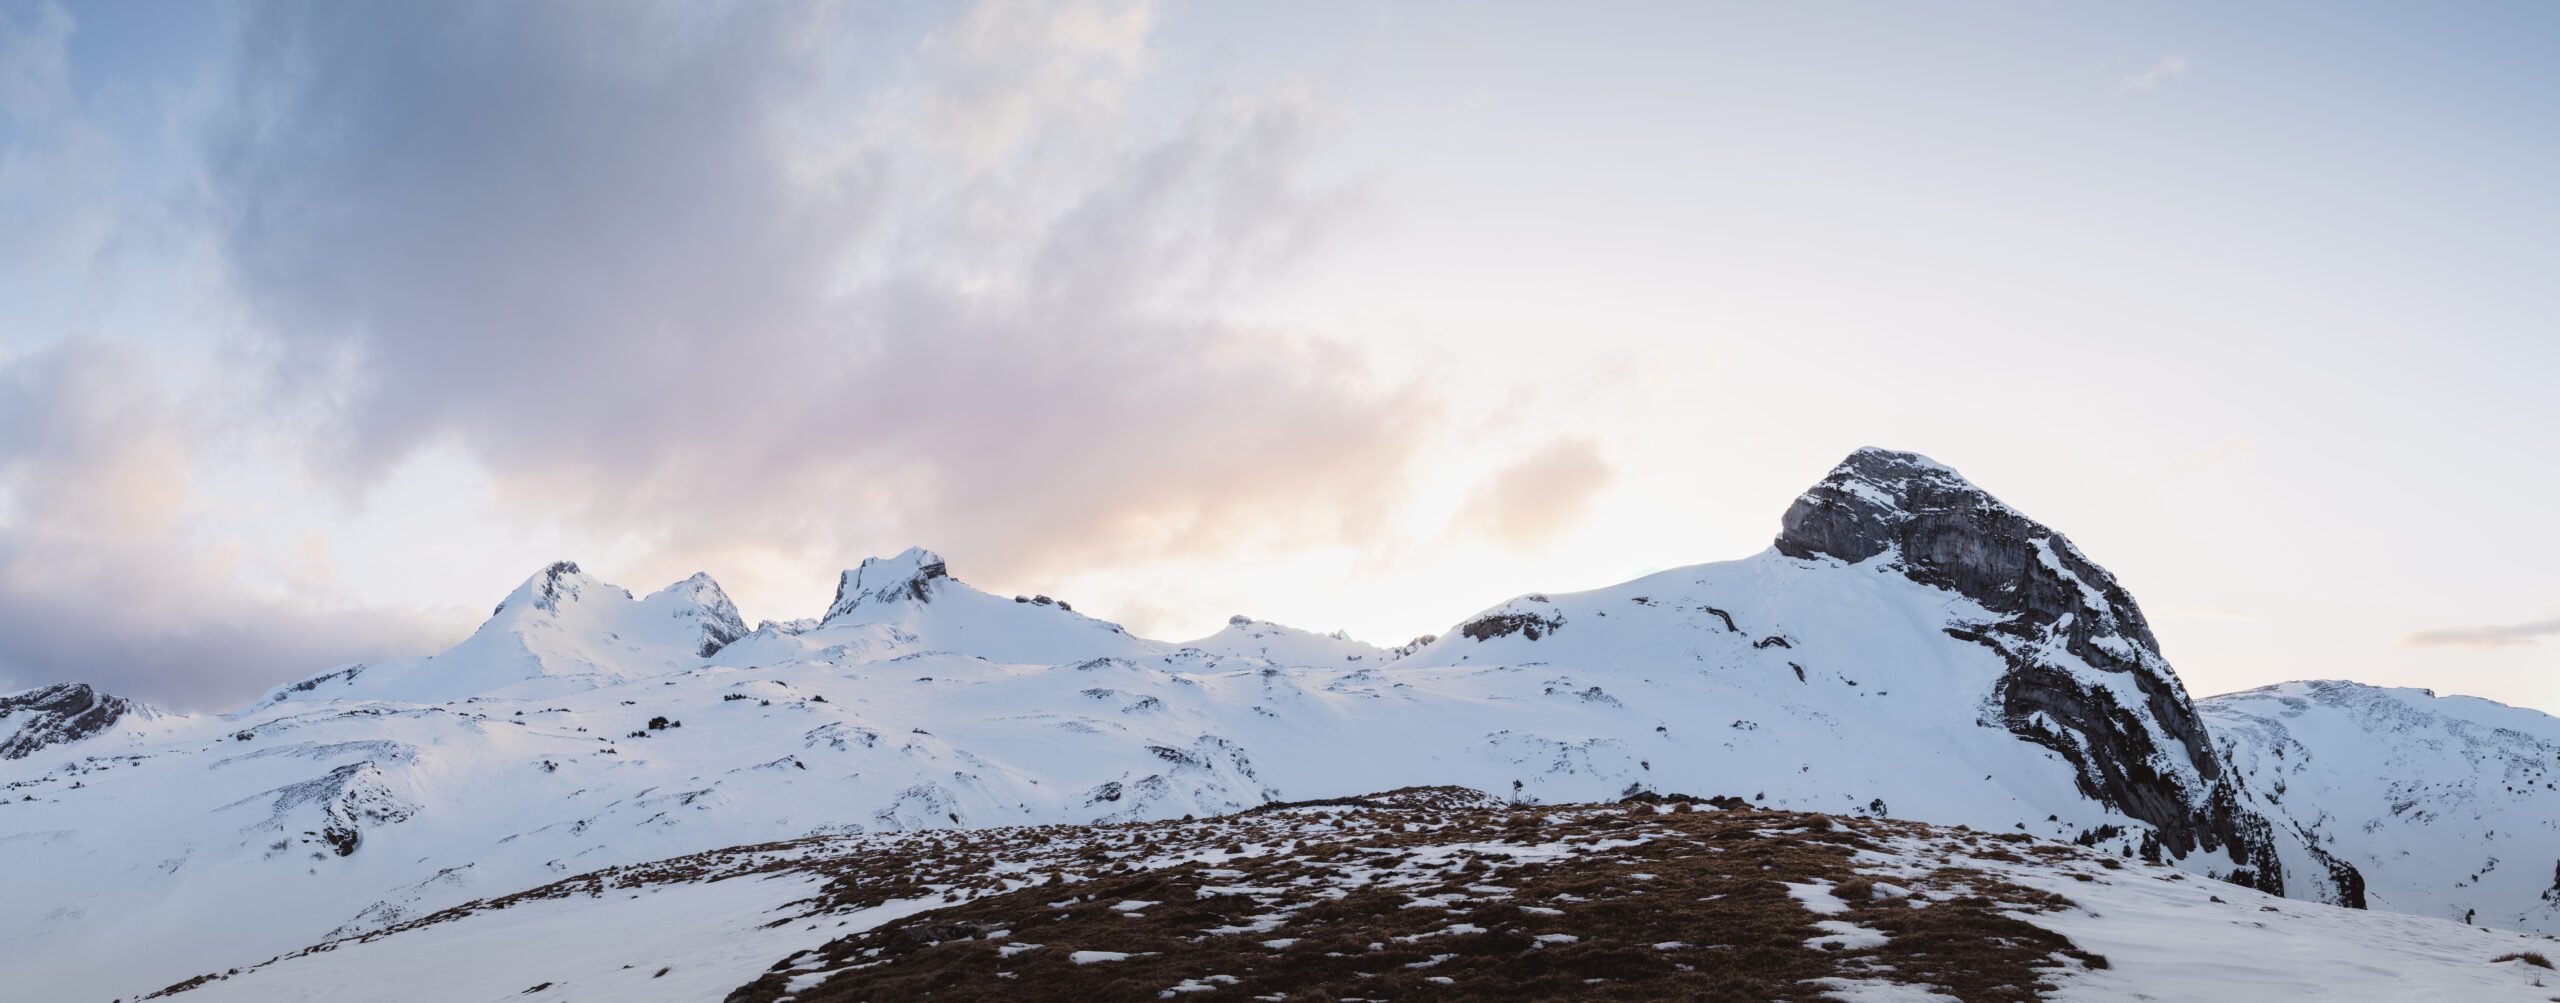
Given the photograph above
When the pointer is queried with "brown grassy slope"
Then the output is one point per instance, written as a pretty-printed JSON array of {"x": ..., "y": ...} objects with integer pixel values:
[
  {"x": 1417, "y": 894},
  {"x": 1587, "y": 902}
]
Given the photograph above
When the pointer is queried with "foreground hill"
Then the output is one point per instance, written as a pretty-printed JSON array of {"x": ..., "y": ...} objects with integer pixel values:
[
  {"x": 1909, "y": 647},
  {"x": 1413, "y": 894}
]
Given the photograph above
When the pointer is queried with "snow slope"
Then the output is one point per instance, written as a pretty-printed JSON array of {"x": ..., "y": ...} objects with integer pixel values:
[
  {"x": 2449, "y": 805},
  {"x": 1910, "y": 647}
]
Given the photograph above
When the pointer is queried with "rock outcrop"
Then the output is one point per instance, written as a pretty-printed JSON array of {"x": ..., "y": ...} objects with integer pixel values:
[
  {"x": 40, "y": 718},
  {"x": 908, "y": 577},
  {"x": 2128, "y": 727}
]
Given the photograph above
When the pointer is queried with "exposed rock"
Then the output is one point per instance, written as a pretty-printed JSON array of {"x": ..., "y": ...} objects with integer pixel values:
[
  {"x": 346, "y": 801},
  {"x": 2048, "y": 600},
  {"x": 47, "y": 716},
  {"x": 1528, "y": 625}
]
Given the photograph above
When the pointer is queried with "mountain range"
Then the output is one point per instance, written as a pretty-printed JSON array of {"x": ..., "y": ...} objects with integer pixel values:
[{"x": 1908, "y": 649}]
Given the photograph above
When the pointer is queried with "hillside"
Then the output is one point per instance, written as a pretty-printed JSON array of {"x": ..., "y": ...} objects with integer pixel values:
[{"x": 1413, "y": 894}]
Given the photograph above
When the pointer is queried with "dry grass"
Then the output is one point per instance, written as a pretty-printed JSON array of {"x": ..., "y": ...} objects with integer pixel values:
[
  {"x": 1420, "y": 894},
  {"x": 1589, "y": 903}
]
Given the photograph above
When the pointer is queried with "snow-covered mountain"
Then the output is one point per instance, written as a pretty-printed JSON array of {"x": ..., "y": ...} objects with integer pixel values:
[
  {"x": 1908, "y": 647},
  {"x": 2450, "y": 806},
  {"x": 562, "y": 631}
]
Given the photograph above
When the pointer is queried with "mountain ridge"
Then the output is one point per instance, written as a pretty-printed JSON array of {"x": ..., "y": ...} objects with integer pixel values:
[{"x": 584, "y": 727}]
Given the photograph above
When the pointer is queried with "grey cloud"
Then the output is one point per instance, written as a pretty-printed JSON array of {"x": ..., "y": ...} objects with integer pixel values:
[
  {"x": 685, "y": 275},
  {"x": 2484, "y": 635},
  {"x": 60, "y": 175},
  {"x": 99, "y": 580}
]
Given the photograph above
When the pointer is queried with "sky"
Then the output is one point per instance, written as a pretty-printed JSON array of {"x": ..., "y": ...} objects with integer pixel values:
[{"x": 324, "y": 325}]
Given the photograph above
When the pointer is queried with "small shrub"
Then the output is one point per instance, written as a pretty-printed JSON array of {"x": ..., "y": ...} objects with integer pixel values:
[{"x": 2533, "y": 958}]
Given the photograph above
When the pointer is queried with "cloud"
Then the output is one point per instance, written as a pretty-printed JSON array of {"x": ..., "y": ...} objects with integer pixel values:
[
  {"x": 103, "y": 575},
  {"x": 2505, "y": 635},
  {"x": 2168, "y": 68},
  {"x": 34, "y": 64},
  {"x": 59, "y": 174},
  {"x": 786, "y": 279},
  {"x": 1540, "y": 496}
]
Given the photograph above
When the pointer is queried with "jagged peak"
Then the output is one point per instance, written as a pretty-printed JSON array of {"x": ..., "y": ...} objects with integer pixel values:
[
  {"x": 909, "y": 577},
  {"x": 697, "y": 599},
  {"x": 547, "y": 588},
  {"x": 1945, "y": 531},
  {"x": 1850, "y": 512},
  {"x": 703, "y": 599},
  {"x": 1899, "y": 457}
]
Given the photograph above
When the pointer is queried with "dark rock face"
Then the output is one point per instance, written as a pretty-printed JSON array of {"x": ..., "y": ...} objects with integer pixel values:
[
  {"x": 52, "y": 715},
  {"x": 547, "y": 595},
  {"x": 2044, "y": 595},
  {"x": 1528, "y": 625}
]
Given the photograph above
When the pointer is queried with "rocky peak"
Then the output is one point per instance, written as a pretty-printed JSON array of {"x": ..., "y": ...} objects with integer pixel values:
[
  {"x": 702, "y": 600},
  {"x": 548, "y": 588},
  {"x": 2059, "y": 621},
  {"x": 1943, "y": 531},
  {"x": 562, "y": 600},
  {"x": 32, "y": 720},
  {"x": 909, "y": 577}
]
